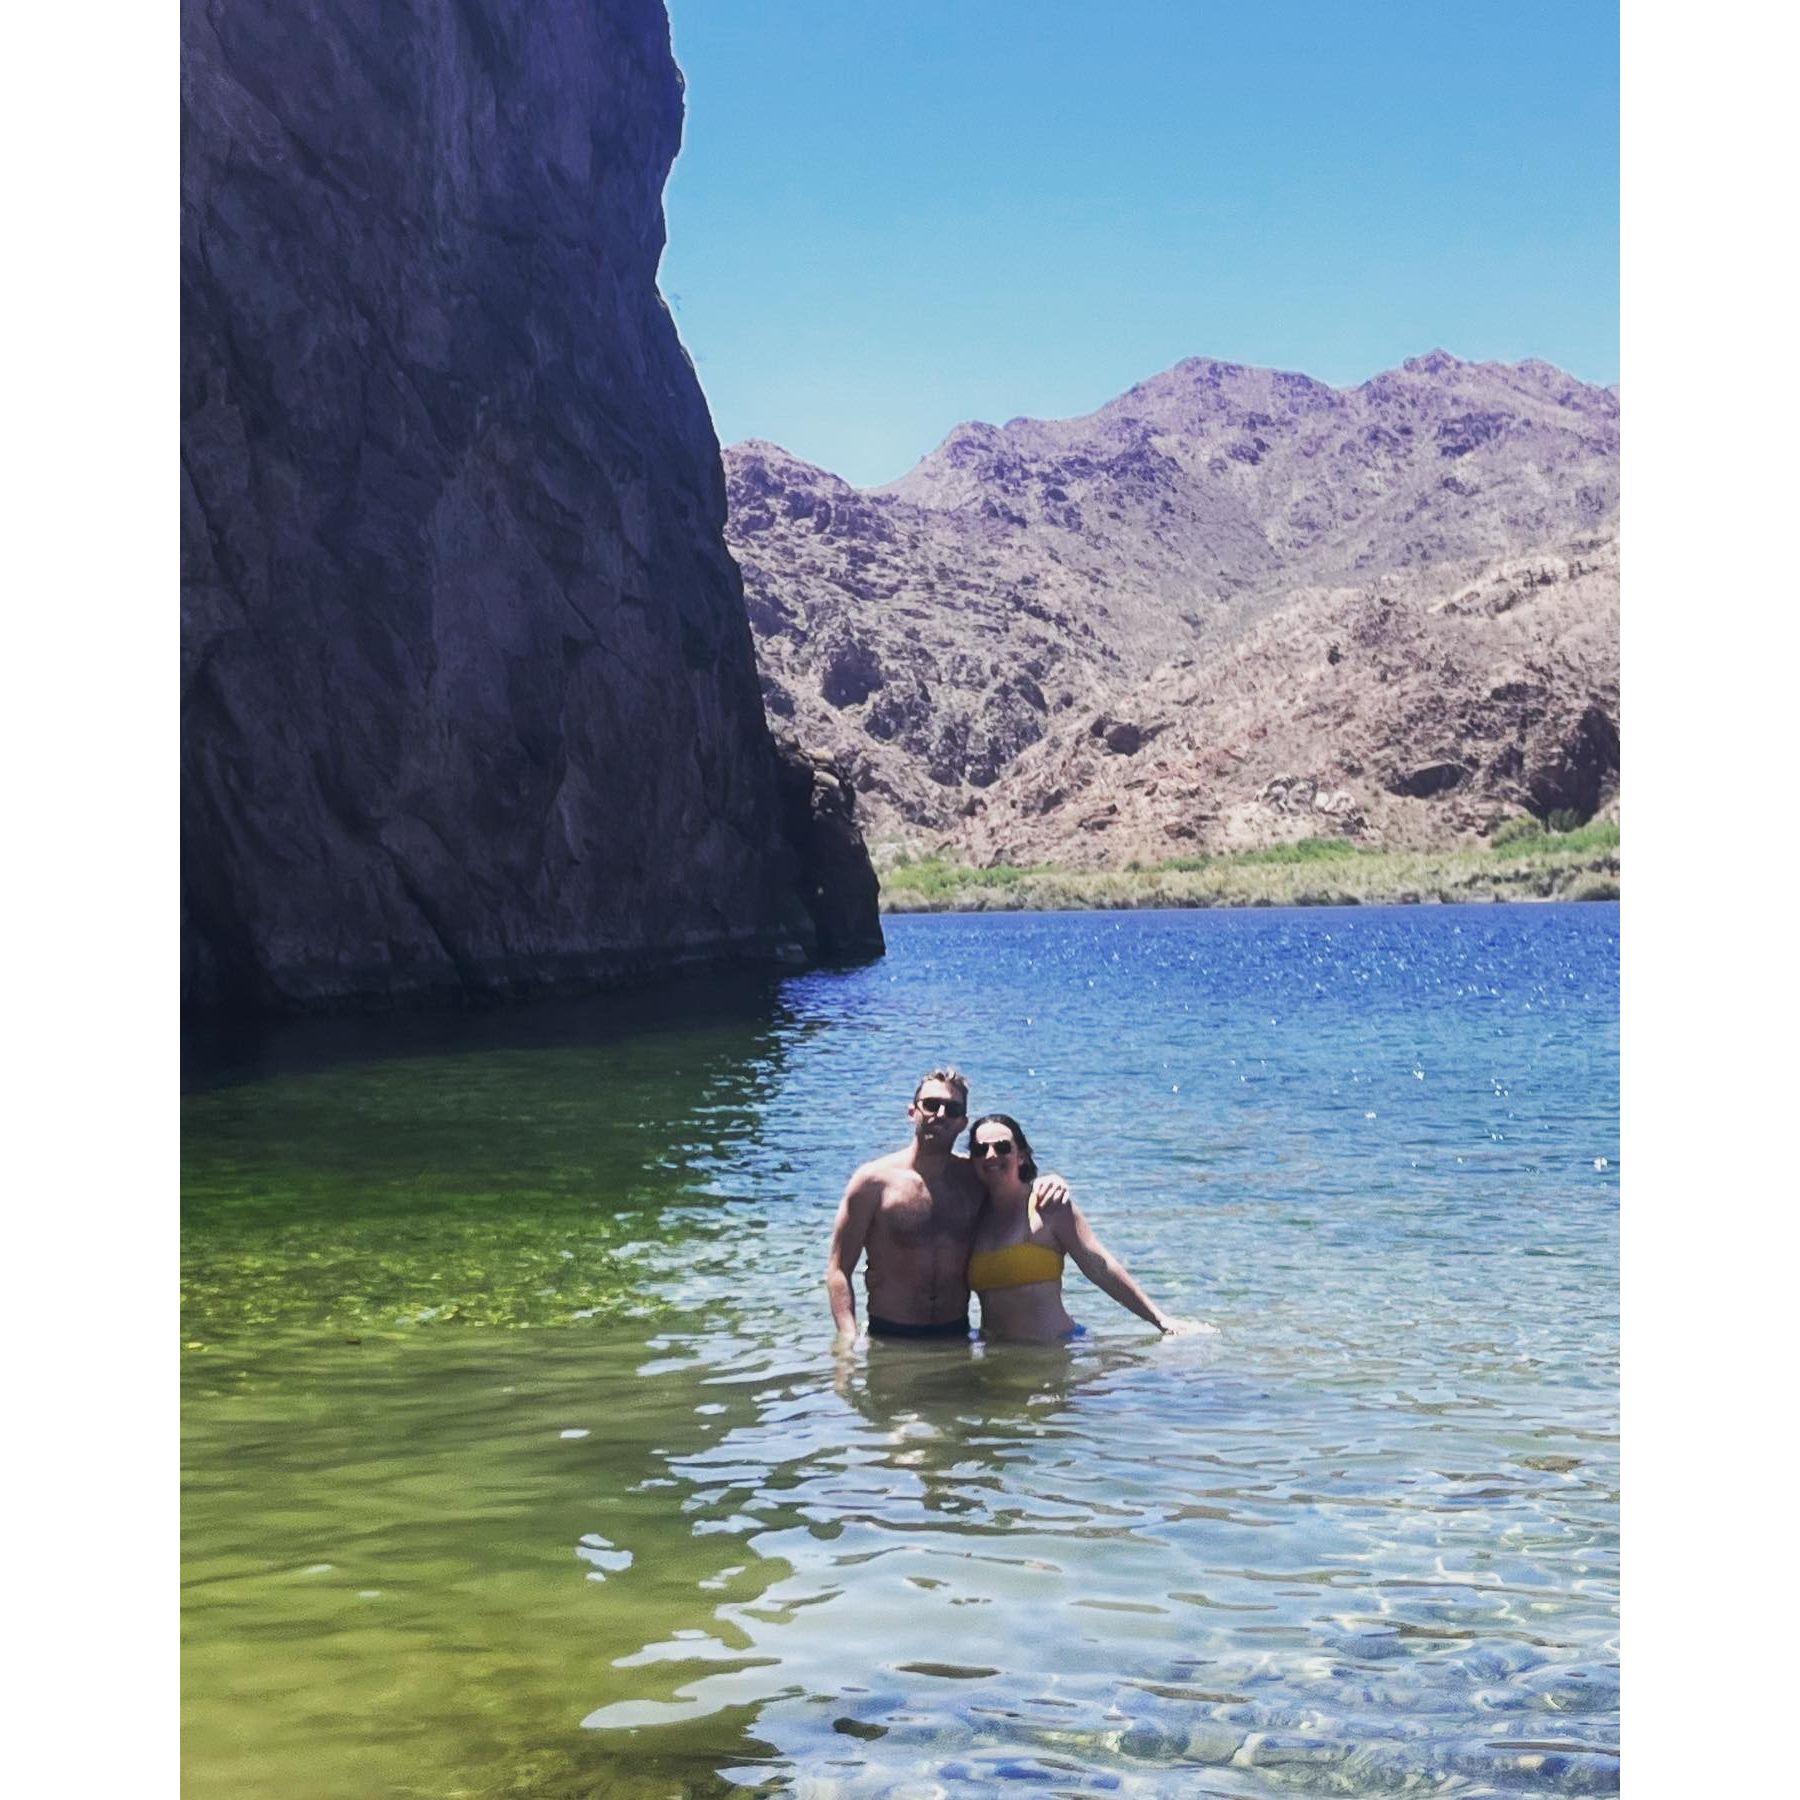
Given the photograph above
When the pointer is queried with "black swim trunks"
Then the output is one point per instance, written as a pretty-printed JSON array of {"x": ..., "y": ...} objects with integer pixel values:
[{"x": 892, "y": 1328}]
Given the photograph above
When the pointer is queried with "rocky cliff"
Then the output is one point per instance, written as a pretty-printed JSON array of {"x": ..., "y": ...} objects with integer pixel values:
[
  {"x": 1232, "y": 607},
  {"x": 470, "y": 705}
]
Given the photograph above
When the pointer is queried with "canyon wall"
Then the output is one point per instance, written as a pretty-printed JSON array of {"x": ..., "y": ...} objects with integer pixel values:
[
  {"x": 470, "y": 706},
  {"x": 1232, "y": 607}
]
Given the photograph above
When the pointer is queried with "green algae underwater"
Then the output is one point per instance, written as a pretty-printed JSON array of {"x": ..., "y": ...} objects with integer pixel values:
[{"x": 409, "y": 1281}]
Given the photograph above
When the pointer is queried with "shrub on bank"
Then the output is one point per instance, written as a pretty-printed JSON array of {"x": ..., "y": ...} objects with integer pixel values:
[
  {"x": 1531, "y": 864},
  {"x": 1579, "y": 840}
]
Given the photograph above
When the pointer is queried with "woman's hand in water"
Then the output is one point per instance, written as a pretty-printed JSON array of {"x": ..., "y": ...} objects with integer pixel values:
[
  {"x": 1186, "y": 1328},
  {"x": 1049, "y": 1192}
]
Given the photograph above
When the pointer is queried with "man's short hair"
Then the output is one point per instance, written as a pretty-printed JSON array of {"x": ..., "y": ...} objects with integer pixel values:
[{"x": 950, "y": 1078}]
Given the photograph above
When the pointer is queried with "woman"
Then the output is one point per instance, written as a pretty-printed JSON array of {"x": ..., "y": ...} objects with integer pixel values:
[{"x": 1016, "y": 1266}]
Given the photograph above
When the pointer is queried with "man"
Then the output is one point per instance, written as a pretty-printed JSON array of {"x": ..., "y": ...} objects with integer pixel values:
[{"x": 913, "y": 1212}]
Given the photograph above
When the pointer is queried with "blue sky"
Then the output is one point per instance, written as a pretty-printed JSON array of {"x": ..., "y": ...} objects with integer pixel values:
[{"x": 892, "y": 215}]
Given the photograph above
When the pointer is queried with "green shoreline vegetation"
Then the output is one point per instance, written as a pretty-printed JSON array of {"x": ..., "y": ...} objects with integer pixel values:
[{"x": 1524, "y": 860}]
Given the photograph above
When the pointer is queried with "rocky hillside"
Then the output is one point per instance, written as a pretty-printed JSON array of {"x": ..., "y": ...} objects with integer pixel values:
[
  {"x": 470, "y": 703},
  {"x": 1233, "y": 606}
]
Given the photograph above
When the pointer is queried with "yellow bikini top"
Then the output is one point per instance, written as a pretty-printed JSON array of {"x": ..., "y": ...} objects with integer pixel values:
[{"x": 1018, "y": 1265}]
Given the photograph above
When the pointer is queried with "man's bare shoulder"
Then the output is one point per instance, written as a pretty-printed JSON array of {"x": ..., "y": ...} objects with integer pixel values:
[
  {"x": 879, "y": 1170},
  {"x": 962, "y": 1171},
  {"x": 883, "y": 1174}
]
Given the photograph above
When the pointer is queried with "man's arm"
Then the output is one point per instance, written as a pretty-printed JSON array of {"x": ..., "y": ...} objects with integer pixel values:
[{"x": 855, "y": 1214}]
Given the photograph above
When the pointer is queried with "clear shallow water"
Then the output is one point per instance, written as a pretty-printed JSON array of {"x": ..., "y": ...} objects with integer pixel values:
[{"x": 519, "y": 1463}]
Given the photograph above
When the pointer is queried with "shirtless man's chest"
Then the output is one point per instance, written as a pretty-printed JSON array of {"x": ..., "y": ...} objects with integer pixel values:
[{"x": 918, "y": 1248}]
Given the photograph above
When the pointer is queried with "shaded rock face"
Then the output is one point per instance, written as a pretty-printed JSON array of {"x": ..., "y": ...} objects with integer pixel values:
[
  {"x": 1423, "y": 780},
  {"x": 1579, "y": 770},
  {"x": 470, "y": 706},
  {"x": 838, "y": 884}
]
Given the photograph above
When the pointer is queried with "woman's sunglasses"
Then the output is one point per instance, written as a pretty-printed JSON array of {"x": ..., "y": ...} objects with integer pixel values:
[{"x": 1001, "y": 1147}]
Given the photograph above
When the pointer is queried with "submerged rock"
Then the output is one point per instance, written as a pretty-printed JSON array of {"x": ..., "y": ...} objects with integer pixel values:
[{"x": 469, "y": 703}]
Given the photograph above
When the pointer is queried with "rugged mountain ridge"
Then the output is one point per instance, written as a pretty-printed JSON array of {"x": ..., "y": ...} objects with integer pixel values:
[
  {"x": 469, "y": 706},
  {"x": 1144, "y": 631}
]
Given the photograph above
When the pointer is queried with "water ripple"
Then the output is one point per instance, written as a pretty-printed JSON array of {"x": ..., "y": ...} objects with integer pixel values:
[{"x": 1365, "y": 1542}]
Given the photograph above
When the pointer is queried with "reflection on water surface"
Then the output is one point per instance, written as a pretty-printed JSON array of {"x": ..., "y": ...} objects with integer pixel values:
[{"x": 519, "y": 1463}]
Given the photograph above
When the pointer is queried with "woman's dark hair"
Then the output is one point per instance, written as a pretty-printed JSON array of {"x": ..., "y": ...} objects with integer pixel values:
[{"x": 1027, "y": 1168}]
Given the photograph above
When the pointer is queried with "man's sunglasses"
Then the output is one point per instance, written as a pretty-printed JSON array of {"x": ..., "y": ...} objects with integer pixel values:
[
  {"x": 936, "y": 1105},
  {"x": 1000, "y": 1147}
]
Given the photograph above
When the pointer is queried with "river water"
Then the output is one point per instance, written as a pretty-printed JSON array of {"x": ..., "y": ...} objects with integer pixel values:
[{"x": 518, "y": 1463}]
